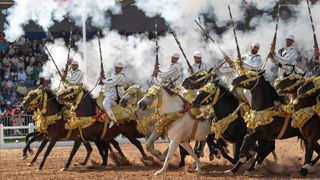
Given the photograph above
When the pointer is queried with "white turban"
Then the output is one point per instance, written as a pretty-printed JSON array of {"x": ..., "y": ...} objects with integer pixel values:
[
  {"x": 74, "y": 62},
  {"x": 176, "y": 55},
  {"x": 290, "y": 37},
  {"x": 255, "y": 44},
  {"x": 197, "y": 54},
  {"x": 119, "y": 64}
]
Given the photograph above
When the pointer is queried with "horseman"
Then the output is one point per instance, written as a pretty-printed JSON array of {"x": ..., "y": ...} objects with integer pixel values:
[
  {"x": 173, "y": 76},
  {"x": 286, "y": 58},
  {"x": 113, "y": 90},
  {"x": 74, "y": 75},
  {"x": 198, "y": 64},
  {"x": 313, "y": 64},
  {"x": 251, "y": 61}
]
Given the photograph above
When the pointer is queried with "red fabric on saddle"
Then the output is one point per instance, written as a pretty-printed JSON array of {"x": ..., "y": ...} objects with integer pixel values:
[
  {"x": 186, "y": 108},
  {"x": 98, "y": 115}
]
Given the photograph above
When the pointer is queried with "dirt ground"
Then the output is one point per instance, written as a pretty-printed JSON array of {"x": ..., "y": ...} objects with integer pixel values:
[{"x": 287, "y": 167}]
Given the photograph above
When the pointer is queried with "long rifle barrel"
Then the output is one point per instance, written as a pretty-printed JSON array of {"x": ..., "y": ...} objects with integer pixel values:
[
  {"x": 235, "y": 34},
  {"x": 101, "y": 60},
  {"x": 315, "y": 45},
  {"x": 209, "y": 37},
  {"x": 69, "y": 47},
  {"x": 54, "y": 62},
  {"x": 184, "y": 55}
]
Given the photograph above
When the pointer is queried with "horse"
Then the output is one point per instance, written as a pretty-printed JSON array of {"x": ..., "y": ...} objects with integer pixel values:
[
  {"x": 44, "y": 101},
  {"x": 183, "y": 128},
  {"x": 229, "y": 124},
  {"x": 130, "y": 98},
  {"x": 305, "y": 98},
  {"x": 264, "y": 99},
  {"x": 86, "y": 107}
]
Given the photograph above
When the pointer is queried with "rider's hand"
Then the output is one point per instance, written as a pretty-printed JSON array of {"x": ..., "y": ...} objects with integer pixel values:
[{"x": 190, "y": 71}]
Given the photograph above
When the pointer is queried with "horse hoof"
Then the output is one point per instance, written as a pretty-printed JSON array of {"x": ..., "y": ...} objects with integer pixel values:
[
  {"x": 24, "y": 157},
  {"x": 304, "y": 172},
  {"x": 247, "y": 173},
  {"x": 211, "y": 157},
  {"x": 257, "y": 166},
  {"x": 229, "y": 172},
  {"x": 82, "y": 163},
  {"x": 146, "y": 161},
  {"x": 181, "y": 165},
  {"x": 39, "y": 169},
  {"x": 30, "y": 164},
  {"x": 158, "y": 173},
  {"x": 31, "y": 151},
  {"x": 64, "y": 169}
]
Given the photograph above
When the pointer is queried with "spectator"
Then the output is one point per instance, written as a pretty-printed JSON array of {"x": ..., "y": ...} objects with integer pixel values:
[
  {"x": 6, "y": 83},
  {"x": 22, "y": 75},
  {"x": 16, "y": 118},
  {"x": 15, "y": 83},
  {"x": 29, "y": 69},
  {"x": 22, "y": 89},
  {"x": 35, "y": 73}
]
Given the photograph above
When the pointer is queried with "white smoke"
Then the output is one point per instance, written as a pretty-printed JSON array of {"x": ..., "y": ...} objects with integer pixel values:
[
  {"x": 138, "y": 52},
  {"x": 45, "y": 13}
]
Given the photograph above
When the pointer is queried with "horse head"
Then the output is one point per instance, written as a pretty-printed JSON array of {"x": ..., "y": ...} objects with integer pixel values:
[
  {"x": 249, "y": 80},
  {"x": 309, "y": 87},
  {"x": 289, "y": 84},
  {"x": 152, "y": 98},
  {"x": 131, "y": 96},
  {"x": 206, "y": 95},
  {"x": 198, "y": 79},
  {"x": 70, "y": 95},
  {"x": 33, "y": 99}
]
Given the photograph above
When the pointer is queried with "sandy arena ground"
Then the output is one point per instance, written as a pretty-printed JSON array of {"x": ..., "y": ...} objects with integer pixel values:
[{"x": 13, "y": 167}]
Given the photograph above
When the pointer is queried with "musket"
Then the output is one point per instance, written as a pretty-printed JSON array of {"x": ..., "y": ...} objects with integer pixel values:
[
  {"x": 315, "y": 42},
  {"x": 156, "y": 65},
  {"x": 69, "y": 47},
  {"x": 45, "y": 46},
  {"x": 274, "y": 41},
  {"x": 210, "y": 38},
  {"x": 184, "y": 55},
  {"x": 236, "y": 39},
  {"x": 101, "y": 61}
]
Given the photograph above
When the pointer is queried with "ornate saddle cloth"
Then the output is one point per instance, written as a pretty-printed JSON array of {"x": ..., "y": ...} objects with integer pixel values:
[{"x": 121, "y": 113}]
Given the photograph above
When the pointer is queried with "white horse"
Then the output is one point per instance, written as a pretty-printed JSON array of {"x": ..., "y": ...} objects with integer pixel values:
[
  {"x": 182, "y": 130},
  {"x": 132, "y": 95}
]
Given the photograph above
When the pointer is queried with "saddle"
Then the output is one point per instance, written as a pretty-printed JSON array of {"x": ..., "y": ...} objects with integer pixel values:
[
  {"x": 121, "y": 113},
  {"x": 189, "y": 96}
]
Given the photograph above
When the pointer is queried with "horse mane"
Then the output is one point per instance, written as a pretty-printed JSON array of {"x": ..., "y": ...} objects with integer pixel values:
[
  {"x": 228, "y": 94},
  {"x": 49, "y": 92},
  {"x": 273, "y": 92}
]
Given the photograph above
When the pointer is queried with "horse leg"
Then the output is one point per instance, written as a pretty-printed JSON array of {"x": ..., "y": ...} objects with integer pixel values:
[
  {"x": 264, "y": 149},
  {"x": 116, "y": 145},
  {"x": 183, "y": 154},
  {"x": 42, "y": 145},
  {"x": 188, "y": 147},
  {"x": 103, "y": 147},
  {"x": 310, "y": 143},
  {"x": 199, "y": 149},
  {"x": 150, "y": 146},
  {"x": 27, "y": 147},
  {"x": 89, "y": 151},
  {"x": 213, "y": 147},
  {"x": 317, "y": 149},
  {"x": 29, "y": 142},
  {"x": 75, "y": 148},
  {"x": 46, "y": 154},
  {"x": 172, "y": 148},
  {"x": 248, "y": 140},
  {"x": 136, "y": 143}
]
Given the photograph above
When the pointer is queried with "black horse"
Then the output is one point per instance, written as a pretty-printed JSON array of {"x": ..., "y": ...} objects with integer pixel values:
[{"x": 265, "y": 98}]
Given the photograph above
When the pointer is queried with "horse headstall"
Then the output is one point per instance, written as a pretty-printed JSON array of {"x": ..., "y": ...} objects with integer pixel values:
[{"x": 41, "y": 96}]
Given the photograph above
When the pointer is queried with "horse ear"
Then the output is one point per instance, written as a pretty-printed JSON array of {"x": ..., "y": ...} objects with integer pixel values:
[
  {"x": 262, "y": 72},
  {"x": 303, "y": 74},
  {"x": 210, "y": 70}
]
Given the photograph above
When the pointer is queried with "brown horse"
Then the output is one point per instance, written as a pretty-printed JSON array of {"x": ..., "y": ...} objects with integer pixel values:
[
  {"x": 35, "y": 100},
  {"x": 299, "y": 88},
  {"x": 86, "y": 107}
]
